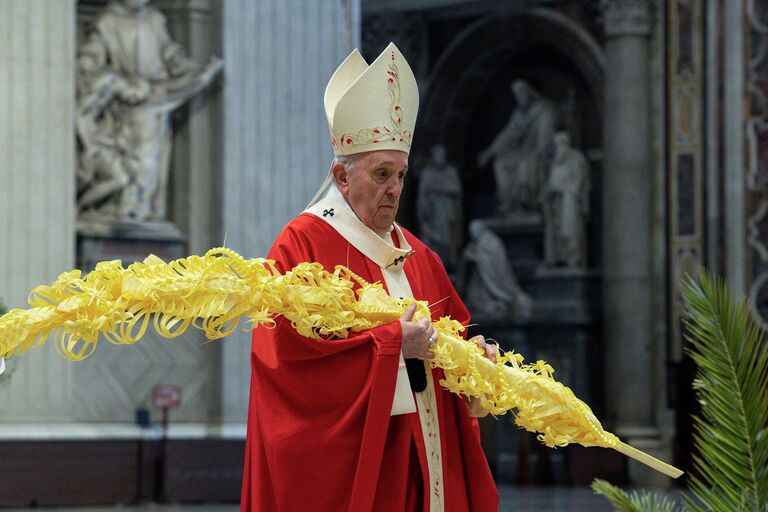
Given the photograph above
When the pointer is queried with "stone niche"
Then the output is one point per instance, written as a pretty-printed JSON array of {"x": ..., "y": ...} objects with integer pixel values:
[{"x": 465, "y": 61}]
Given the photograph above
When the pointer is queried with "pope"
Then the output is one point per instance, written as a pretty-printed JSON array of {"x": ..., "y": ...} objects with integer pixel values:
[{"x": 362, "y": 423}]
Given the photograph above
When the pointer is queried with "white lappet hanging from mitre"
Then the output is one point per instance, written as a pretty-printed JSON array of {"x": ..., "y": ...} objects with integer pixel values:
[{"x": 371, "y": 108}]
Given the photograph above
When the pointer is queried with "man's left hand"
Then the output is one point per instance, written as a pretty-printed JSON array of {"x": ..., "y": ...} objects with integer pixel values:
[{"x": 491, "y": 351}]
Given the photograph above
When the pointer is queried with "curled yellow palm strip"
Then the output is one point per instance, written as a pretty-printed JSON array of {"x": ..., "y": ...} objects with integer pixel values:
[{"x": 214, "y": 292}]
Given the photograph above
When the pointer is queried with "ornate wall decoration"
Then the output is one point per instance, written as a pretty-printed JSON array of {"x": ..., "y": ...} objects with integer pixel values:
[
  {"x": 626, "y": 16},
  {"x": 406, "y": 30},
  {"x": 756, "y": 84},
  {"x": 685, "y": 149}
]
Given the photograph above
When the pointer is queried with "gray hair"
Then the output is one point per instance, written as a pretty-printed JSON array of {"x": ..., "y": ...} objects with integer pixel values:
[{"x": 347, "y": 161}]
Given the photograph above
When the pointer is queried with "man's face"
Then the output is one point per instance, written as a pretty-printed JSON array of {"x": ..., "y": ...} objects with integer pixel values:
[{"x": 372, "y": 185}]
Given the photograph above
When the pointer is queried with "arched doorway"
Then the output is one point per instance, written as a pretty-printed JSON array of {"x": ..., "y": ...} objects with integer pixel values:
[{"x": 466, "y": 100}]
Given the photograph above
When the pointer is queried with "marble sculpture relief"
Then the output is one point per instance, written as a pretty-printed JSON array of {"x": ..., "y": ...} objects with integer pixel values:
[
  {"x": 131, "y": 76},
  {"x": 520, "y": 152},
  {"x": 439, "y": 207},
  {"x": 565, "y": 201}
]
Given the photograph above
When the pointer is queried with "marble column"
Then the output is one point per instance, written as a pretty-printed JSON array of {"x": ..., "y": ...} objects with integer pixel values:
[
  {"x": 37, "y": 186},
  {"x": 278, "y": 54},
  {"x": 734, "y": 157},
  {"x": 627, "y": 243},
  {"x": 195, "y": 184}
]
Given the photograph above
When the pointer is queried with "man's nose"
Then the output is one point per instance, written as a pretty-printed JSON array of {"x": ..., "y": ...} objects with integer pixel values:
[{"x": 395, "y": 188}]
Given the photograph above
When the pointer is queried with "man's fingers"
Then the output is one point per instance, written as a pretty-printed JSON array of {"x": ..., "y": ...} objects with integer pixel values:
[
  {"x": 489, "y": 347},
  {"x": 407, "y": 315},
  {"x": 478, "y": 340},
  {"x": 491, "y": 351}
]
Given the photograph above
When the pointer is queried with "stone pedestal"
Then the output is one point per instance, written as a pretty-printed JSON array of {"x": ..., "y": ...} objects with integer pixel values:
[
  {"x": 523, "y": 236},
  {"x": 126, "y": 375},
  {"x": 565, "y": 295},
  {"x": 128, "y": 243}
]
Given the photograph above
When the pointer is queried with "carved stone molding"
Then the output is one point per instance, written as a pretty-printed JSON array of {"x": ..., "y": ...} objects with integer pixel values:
[
  {"x": 626, "y": 17},
  {"x": 405, "y": 30},
  {"x": 756, "y": 171}
]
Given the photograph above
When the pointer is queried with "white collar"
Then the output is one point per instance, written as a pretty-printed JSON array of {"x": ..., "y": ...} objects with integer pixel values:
[{"x": 335, "y": 210}]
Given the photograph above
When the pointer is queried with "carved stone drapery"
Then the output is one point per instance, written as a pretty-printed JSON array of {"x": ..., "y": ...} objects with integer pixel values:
[{"x": 126, "y": 94}]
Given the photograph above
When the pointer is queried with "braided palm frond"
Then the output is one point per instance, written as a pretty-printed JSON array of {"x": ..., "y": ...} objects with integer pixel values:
[{"x": 216, "y": 291}]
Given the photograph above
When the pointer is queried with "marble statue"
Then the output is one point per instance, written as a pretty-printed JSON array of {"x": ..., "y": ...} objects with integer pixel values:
[
  {"x": 521, "y": 151},
  {"x": 439, "y": 207},
  {"x": 131, "y": 76},
  {"x": 565, "y": 201},
  {"x": 487, "y": 280}
]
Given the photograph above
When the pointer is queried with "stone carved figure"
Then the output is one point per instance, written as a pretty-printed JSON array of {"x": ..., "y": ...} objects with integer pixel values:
[
  {"x": 521, "y": 151},
  {"x": 565, "y": 201},
  {"x": 487, "y": 279},
  {"x": 439, "y": 207},
  {"x": 131, "y": 76}
]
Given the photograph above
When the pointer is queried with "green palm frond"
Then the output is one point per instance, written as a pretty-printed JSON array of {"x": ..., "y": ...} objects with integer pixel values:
[
  {"x": 730, "y": 437},
  {"x": 635, "y": 501}
]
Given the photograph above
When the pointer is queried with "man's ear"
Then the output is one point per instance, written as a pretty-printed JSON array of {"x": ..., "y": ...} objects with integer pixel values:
[{"x": 340, "y": 176}]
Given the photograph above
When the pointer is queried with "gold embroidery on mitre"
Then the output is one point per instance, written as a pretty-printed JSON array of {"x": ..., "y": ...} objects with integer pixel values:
[{"x": 395, "y": 131}]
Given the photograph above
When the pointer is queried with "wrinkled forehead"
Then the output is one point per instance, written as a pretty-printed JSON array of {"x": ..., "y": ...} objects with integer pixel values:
[{"x": 387, "y": 157}]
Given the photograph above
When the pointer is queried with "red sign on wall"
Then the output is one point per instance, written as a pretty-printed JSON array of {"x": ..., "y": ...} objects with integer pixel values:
[{"x": 166, "y": 396}]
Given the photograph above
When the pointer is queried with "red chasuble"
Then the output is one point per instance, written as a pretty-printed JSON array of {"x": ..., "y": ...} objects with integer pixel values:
[{"x": 320, "y": 433}]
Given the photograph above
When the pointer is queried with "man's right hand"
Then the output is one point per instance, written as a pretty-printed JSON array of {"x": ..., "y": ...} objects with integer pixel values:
[{"x": 417, "y": 336}]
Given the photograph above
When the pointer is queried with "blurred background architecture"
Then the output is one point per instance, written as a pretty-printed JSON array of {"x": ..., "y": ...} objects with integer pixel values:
[{"x": 586, "y": 155}]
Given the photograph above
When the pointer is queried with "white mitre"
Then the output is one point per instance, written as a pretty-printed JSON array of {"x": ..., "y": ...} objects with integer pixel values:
[{"x": 372, "y": 107}]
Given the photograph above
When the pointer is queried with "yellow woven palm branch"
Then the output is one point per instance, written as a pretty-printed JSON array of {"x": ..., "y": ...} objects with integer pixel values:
[{"x": 216, "y": 291}]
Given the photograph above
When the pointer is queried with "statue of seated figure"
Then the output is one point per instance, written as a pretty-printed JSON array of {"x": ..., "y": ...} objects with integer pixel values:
[{"x": 487, "y": 280}]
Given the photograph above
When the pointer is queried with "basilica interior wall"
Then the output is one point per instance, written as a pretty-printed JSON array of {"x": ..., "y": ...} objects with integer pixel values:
[
  {"x": 37, "y": 183},
  {"x": 248, "y": 149},
  {"x": 247, "y": 154}
]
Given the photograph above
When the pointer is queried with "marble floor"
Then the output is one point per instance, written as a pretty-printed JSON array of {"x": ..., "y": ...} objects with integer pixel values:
[
  {"x": 517, "y": 499},
  {"x": 551, "y": 499}
]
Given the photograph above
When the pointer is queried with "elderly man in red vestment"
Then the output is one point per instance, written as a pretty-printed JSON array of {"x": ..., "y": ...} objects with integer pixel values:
[{"x": 362, "y": 423}]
